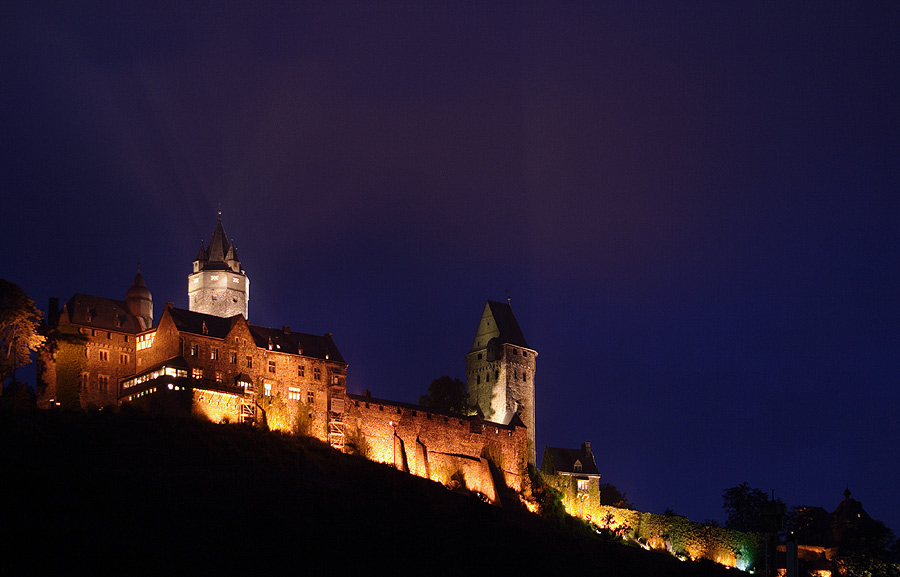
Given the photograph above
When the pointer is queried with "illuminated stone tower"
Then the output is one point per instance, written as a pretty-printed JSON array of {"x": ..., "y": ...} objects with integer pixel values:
[
  {"x": 500, "y": 370},
  {"x": 219, "y": 285}
]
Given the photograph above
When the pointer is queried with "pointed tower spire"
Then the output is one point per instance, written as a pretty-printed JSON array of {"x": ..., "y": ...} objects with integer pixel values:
[{"x": 218, "y": 244}]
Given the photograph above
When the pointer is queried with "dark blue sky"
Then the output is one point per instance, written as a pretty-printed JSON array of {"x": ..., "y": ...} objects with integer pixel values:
[{"x": 695, "y": 208}]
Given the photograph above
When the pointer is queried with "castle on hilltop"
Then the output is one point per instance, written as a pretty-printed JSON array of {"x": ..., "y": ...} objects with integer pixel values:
[{"x": 208, "y": 360}]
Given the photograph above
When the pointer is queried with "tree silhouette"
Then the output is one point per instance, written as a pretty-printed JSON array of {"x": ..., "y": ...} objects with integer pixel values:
[
  {"x": 19, "y": 322},
  {"x": 448, "y": 395},
  {"x": 746, "y": 508},
  {"x": 610, "y": 495}
]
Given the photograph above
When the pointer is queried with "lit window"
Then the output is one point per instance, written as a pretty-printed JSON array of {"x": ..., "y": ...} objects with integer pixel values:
[
  {"x": 219, "y": 376},
  {"x": 197, "y": 373},
  {"x": 317, "y": 374},
  {"x": 145, "y": 341},
  {"x": 267, "y": 389},
  {"x": 104, "y": 355},
  {"x": 301, "y": 371},
  {"x": 214, "y": 354},
  {"x": 311, "y": 397},
  {"x": 195, "y": 350},
  {"x": 271, "y": 366},
  {"x": 233, "y": 358},
  {"x": 249, "y": 362},
  {"x": 583, "y": 485},
  {"x": 294, "y": 393}
]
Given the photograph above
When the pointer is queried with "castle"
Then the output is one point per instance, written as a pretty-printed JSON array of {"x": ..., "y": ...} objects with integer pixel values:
[{"x": 210, "y": 361}]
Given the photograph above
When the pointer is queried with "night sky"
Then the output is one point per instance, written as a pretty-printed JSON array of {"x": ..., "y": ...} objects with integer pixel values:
[{"x": 695, "y": 209}]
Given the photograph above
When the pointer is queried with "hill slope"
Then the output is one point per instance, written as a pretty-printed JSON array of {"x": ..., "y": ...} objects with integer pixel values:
[{"x": 129, "y": 494}]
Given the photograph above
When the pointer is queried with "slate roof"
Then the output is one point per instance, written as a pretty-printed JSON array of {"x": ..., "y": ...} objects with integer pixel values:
[
  {"x": 507, "y": 325},
  {"x": 193, "y": 322},
  {"x": 218, "y": 244},
  {"x": 219, "y": 251},
  {"x": 101, "y": 313},
  {"x": 563, "y": 461},
  {"x": 316, "y": 346}
]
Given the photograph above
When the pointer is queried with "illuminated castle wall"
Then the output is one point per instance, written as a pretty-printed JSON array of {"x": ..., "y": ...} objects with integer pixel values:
[{"x": 440, "y": 446}]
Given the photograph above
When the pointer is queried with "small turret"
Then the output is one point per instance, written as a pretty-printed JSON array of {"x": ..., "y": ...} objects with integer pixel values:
[
  {"x": 200, "y": 260},
  {"x": 140, "y": 301},
  {"x": 231, "y": 258}
]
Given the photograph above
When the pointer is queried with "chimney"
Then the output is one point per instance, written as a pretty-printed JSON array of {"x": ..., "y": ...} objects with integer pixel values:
[
  {"x": 586, "y": 447},
  {"x": 53, "y": 312}
]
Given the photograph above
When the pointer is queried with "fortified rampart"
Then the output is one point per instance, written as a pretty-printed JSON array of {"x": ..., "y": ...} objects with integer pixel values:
[
  {"x": 672, "y": 533},
  {"x": 440, "y": 446}
]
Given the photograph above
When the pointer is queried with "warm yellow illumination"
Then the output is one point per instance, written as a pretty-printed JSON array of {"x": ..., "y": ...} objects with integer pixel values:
[{"x": 145, "y": 341}]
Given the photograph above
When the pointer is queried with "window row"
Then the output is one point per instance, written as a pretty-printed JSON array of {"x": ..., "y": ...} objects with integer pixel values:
[
  {"x": 93, "y": 333},
  {"x": 102, "y": 382},
  {"x": 295, "y": 394},
  {"x": 487, "y": 377},
  {"x": 104, "y": 355}
]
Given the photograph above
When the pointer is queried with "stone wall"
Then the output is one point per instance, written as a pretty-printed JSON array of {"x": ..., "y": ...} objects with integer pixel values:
[
  {"x": 84, "y": 369},
  {"x": 220, "y": 293},
  {"x": 302, "y": 383},
  {"x": 440, "y": 447},
  {"x": 501, "y": 382},
  {"x": 673, "y": 533}
]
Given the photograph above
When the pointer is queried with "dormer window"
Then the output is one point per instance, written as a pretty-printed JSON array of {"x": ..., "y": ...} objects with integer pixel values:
[
  {"x": 205, "y": 328},
  {"x": 577, "y": 466}
]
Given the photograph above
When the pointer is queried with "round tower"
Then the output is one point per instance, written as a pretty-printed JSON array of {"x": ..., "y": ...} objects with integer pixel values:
[{"x": 140, "y": 301}]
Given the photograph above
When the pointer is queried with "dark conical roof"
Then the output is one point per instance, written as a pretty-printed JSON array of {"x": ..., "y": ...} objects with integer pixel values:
[
  {"x": 201, "y": 254},
  {"x": 507, "y": 324},
  {"x": 218, "y": 244},
  {"x": 138, "y": 288}
]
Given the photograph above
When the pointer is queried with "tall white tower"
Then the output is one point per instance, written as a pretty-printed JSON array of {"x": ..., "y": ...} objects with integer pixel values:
[{"x": 219, "y": 285}]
